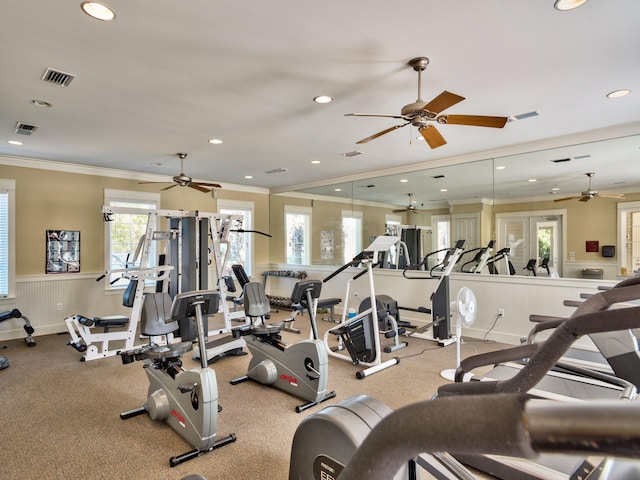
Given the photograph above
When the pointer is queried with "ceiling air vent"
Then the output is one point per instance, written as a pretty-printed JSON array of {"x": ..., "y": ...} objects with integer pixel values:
[
  {"x": 25, "y": 129},
  {"x": 561, "y": 160},
  {"x": 353, "y": 153},
  {"x": 277, "y": 170},
  {"x": 57, "y": 77}
]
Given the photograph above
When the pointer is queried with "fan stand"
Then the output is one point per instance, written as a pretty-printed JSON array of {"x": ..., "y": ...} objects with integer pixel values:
[{"x": 467, "y": 319}]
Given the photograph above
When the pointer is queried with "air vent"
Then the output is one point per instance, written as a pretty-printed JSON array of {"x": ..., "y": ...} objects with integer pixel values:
[
  {"x": 561, "y": 160},
  {"x": 25, "y": 129},
  {"x": 523, "y": 116},
  {"x": 353, "y": 153},
  {"x": 438, "y": 176},
  {"x": 277, "y": 170},
  {"x": 57, "y": 77}
]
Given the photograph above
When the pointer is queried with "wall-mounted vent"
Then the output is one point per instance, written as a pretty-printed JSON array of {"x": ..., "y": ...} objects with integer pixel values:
[
  {"x": 56, "y": 76},
  {"x": 561, "y": 160},
  {"x": 277, "y": 170},
  {"x": 25, "y": 128}
]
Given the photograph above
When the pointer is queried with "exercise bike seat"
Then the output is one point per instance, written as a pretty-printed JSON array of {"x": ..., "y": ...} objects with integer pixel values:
[{"x": 156, "y": 315}]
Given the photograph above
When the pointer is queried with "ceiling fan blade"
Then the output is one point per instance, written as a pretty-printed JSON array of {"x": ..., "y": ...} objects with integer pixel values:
[
  {"x": 146, "y": 183},
  {"x": 198, "y": 187},
  {"x": 399, "y": 210},
  {"x": 383, "y": 132},
  {"x": 432, "y": 136},
  {"x": 585, "y": 198},
  {"x": 442, "y": 102},
  {"x": 473, "y": 120},
  {"x": 169, "y": 187},
  {"x": 565, "y": 199},
  {"x": 206, "y": 184},
  {"x": 372, "y": 115}
]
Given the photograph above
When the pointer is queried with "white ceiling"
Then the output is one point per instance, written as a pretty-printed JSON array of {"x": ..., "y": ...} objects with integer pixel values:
[{"x": 166, "y": 76}]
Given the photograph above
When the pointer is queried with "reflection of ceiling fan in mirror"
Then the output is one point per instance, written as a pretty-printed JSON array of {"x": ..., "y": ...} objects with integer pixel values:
[
  {"x": 183, "y": 180},
  {"x": 411, "y": 208},
  {"x": 588, "y": 194},
  {"x": 423, "y": 115}
]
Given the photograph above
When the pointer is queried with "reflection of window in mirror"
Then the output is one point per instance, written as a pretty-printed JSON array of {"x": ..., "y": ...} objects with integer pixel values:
[
  {"x": 240, "y": 244},
  {"x": 297, "y": 224},
  {"x": 351, "y": 234},
  {"x": 629, "y": 237},
  {"x": 441, "y": 237}
]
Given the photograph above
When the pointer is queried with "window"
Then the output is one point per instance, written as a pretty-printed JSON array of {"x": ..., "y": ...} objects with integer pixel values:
[
  {"x": 629, "y": 237},
  {"x": 297, "y": 224},
  {"x": 240, "y": 244},
  {"x": 7, "y": 238},
  {"x": 351, "y": 234},
  {"x": 123, "y": 233}
]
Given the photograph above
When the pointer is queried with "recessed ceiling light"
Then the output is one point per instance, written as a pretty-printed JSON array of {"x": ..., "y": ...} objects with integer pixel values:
[
  {"x": 98, "y": 10},
  {"x": 619, "y": 93},
  {"x": 215, "y": 141},
  {"x": 500, "y": 167},
  {"x": 555, "y": 189},
  {"x": 15, "y": 142},
  {"x": 337, "y": 189},
  {"x": 443, "y": 189},
  {"x": 323, "y": 99},
  {"x": 248, "y": 176},
  {"x": 156, "y": 164},
  {"x": 564, "y": 5},
  {"x": 315, "y": 162},
  {"x": 41, "y": 103},
  {"x": 531, "y": 180},
  {"x": 404, "y": 180}
]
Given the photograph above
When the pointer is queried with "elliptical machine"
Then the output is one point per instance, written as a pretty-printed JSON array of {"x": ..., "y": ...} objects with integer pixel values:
[
  {"x": 302, "y": 368},
  {"x": 186, "y": 399}
]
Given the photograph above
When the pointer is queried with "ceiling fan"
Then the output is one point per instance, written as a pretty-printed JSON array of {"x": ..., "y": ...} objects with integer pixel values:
[
  {"x": 423, "y": 115},
  {"x": 411, "y": 208},
  {"x": 588, "y": 194},
  {"x": 183, "y": 180}
]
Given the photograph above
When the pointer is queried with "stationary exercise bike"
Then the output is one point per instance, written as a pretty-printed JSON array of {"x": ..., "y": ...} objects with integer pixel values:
[
  {"x": 186, "y": 399},
  {"x": 15, "y": 313},
  {"x": 300, "y": 368}
]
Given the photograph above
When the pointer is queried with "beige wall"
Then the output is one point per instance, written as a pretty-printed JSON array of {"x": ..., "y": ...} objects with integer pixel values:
[{"x": 47, "y": 199}]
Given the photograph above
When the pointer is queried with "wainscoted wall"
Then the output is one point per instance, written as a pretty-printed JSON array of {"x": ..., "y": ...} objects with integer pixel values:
[
  {"x": 518, "y": 296},
  {"x": 38, "y": 298}
]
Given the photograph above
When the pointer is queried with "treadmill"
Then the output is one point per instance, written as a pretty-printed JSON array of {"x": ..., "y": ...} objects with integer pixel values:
[{"x": 545, "y": 376}]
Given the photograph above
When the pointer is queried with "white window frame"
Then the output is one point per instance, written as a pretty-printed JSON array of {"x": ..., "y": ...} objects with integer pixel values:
[
  {"x": 623, "y": 209},
  {"x": 307, "y": 212},
  {"x": 111, "y": 195},
  {"x": 8, "y": 187},
  {"x": 350, "y": 214},
  {"x": 243, "y": 208}
]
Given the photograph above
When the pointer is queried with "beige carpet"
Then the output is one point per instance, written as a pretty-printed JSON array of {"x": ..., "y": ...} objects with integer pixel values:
[{"x": 59, "y": 417}]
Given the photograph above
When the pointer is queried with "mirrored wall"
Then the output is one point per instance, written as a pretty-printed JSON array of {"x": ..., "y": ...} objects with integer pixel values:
[{"x": 578, "y": 187}]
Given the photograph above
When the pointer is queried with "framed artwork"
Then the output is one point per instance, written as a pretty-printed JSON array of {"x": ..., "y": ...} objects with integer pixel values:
[{"x": 63, "y": 251}]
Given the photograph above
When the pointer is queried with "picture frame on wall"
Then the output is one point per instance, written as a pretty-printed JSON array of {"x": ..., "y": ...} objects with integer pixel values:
[{"x": 63, "y": 251}]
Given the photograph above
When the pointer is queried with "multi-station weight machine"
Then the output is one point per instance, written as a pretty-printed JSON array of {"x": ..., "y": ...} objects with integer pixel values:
[{"x": 192, "y": 242}]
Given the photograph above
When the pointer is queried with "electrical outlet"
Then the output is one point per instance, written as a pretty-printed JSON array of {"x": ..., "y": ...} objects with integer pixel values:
[
  {"x": 59, "y": 306},
  {"x": 501, "y": 312}
]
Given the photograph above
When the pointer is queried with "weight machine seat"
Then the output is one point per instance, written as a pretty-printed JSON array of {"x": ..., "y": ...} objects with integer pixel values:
[
  {"x": 111, "y": 321},
  {"x": 156, "y": 315}
]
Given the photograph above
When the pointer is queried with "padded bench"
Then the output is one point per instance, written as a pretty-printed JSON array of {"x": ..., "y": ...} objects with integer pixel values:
[
  {"x": 329, "y": 303},
  {"x": 104, "y": 322}
]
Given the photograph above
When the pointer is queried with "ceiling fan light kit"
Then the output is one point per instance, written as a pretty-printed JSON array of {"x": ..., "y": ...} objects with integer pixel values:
[{"x": 423, "y": 115}]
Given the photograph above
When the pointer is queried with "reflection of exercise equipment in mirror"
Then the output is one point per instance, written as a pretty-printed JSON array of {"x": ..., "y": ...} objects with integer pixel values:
[
  {"x": 186, "y": 399},
  {"x": 15, "y": 313},
  {"x": 360, "y": 334},
  {"x": 503, "y": 255},
  {"x": 439, "y": 329},
  {"x": 301, "y": 368},
  {"x": 479, "y": 261}
]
